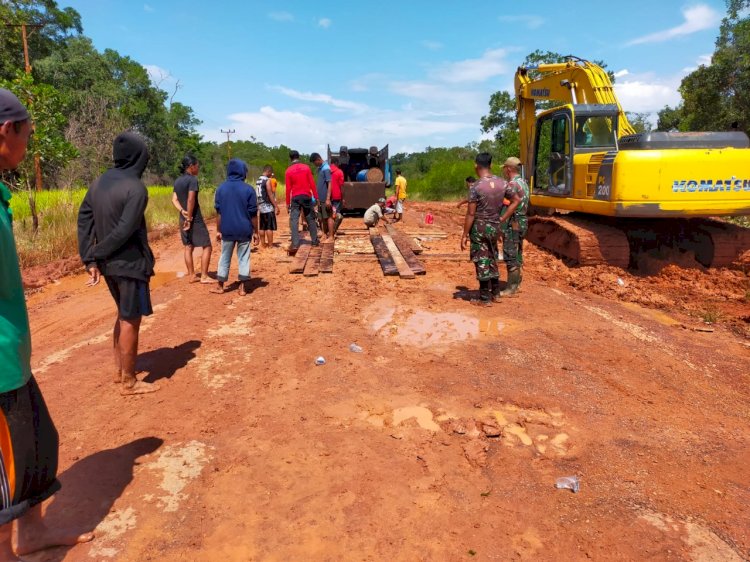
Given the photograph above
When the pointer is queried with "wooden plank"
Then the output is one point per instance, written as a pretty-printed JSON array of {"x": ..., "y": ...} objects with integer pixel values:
[
  {"x": 402, "y": 242},
  {"x": 326, "y": 257},
  {"x": 381, "y": 251},
  {"x": 312, "y": 267},
  {"x": 300, "y": 258},
  {"x": 404, "y": 271}
]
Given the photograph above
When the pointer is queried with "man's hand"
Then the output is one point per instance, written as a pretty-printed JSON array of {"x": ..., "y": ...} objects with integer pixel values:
[
  {"x": 94, "y": 276},
  {"x": 187, "y": 224},
  {"x": 464, "y": 240},
  {"x": 278, "y": 211},
  {"x": 218, "y": 236},
  {"x": 256, "y": 239},
  {"x": 184, "y": 213}
]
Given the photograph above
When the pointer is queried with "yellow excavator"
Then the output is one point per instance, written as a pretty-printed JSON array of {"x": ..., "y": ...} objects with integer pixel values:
[{"x": 602, "y": 193}]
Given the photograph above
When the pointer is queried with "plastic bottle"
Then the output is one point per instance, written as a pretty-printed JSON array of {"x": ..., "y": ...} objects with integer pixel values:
[
  {"x": 568, "y": 483},
  {"x": 354, "y": 348},
  {"x": 320, "y": 360},
  {"x": 428, "y": 218}
]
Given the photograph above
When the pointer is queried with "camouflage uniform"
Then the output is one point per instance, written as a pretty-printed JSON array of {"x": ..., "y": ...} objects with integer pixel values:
[
  {"x": 515, "y": 228},
  {"x": 488, "y": 194}
]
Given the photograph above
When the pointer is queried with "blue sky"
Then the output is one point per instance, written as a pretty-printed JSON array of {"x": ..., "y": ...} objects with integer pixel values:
[{"x": 409, "y": 73}]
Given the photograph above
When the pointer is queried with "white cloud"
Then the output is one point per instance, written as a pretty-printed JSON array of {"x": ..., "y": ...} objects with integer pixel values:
[
  {"x": 646, "y": 94},
  {"x": 491, "y": 63},
  {"x": 307, "y": 133},
  {"x": 148, "y": 8},
  {"x": 437, "y": 97},
  {"x": 322, "y": 98},
  {"x": 529, "y": 20},
  {"x": 703, "y": 60},
  {"x": 364, "y": 83},
  {"x": 281, "y": 16},
  {"x": 158, "y": 75},
  {"x": 325, "y": 23},
  {"x": 697, "y": 18},
  {"x": 621, "y": 73},
  {"x": 431, "y": 45}
]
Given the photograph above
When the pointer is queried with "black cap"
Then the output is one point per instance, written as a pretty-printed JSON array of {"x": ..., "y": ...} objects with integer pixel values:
[{"x": 11, "y": 109}]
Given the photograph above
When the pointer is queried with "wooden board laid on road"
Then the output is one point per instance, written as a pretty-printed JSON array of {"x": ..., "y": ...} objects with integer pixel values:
[
  {"x": 381, "y": 251},
  {"x": 312, "y": 267},
  {"x": 300, "y": 258},
  {"x": 326, "y": 257},
  {"x": 404, "y": 246},
  {"x": 404, "y": 271}
]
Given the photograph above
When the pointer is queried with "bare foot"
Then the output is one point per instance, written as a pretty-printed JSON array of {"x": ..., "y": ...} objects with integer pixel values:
[
  {"x": 45, "y": 537},
  {"x": 242, "y": 290},
  {"x": 218, "y": 290},
  {"x": 117, "y": 377},
  {"x": 193, "y": 279},
  {"x": 139, "y": 387},
  {"x": 208, "y": 280}
]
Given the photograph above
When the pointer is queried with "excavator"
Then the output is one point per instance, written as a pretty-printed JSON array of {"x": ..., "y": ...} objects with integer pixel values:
[{"x": 603, "y": 194}]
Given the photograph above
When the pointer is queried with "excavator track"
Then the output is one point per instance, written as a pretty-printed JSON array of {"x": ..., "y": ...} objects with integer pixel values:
[
  {"x": 583, "y": 241},
  {"x": 619, "y": 242}
]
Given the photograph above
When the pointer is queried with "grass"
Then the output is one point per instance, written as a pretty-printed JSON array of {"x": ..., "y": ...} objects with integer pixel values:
[{"x": 58, "y": 214}]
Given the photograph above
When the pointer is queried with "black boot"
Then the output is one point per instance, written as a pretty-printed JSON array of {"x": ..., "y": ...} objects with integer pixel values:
[
  {"x": 485, "y": 294},
  {"x": 495, "y": 289},
  {"x": 514, "y": 282}
]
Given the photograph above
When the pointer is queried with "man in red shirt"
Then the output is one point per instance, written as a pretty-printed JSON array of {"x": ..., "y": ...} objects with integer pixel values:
[
  {"x": 337, "y": 180},
  {"x": 300, "y": 197}
]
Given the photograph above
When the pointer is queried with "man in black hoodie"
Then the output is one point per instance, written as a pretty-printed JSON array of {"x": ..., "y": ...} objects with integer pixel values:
[{"x": 113, "y": 242}]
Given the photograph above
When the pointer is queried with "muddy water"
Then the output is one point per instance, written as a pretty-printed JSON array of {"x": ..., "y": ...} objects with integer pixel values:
[{"x": 423, "y": 328}]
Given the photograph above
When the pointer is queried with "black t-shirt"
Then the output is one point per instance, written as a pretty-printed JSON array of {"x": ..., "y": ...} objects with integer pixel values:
[{"x": 184, "y": 185}]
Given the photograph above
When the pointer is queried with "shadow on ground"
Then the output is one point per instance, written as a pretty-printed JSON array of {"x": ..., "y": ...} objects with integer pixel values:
[{"x": 164, "y": 362}]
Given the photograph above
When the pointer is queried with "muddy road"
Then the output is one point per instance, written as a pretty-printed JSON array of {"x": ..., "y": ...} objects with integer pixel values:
[{"x": 442, "y": 440}]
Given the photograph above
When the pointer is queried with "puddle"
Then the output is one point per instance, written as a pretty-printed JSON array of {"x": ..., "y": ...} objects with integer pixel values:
[
  {"x": 423, "y": 328},
  {"x": 421, "y": 414}
]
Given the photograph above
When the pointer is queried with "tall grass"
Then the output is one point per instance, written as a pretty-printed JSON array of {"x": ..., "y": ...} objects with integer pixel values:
[{"x": 58, "y": 215}]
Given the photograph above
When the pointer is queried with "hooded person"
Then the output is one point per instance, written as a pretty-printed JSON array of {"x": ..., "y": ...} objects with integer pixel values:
[
  {"x": 236, "y": 223},
  {"x": 113, "y": 242}
]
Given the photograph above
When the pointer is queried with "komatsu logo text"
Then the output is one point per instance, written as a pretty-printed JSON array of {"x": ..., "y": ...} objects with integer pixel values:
[
  {"x": 693, "y": 186},
  {"x": 540, "y": 92}
]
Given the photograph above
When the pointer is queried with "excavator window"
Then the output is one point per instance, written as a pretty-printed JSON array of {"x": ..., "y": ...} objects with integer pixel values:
[
  {"x": 553, "y": 155},
  {"x": 595, "y": 131}
]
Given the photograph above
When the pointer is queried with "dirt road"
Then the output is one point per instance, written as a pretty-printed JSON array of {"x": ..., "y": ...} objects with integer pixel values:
[{"x": 441, "y": 441}]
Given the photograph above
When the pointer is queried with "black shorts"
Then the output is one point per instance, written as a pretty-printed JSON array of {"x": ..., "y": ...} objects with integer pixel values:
[
  {"x": 196, "y": 236},
  {"x": 268, "y": 221},
  {"x": 132, "y": 296},
  {"x": 29, "y": 444}
]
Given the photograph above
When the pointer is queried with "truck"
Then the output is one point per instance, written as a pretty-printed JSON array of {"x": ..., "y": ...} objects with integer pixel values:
[
  {"x": 367, "y": 173},
  {"x": 611, "y": 194}
]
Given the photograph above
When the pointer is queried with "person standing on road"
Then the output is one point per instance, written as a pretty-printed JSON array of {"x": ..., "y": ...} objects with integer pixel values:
[
  {"x": 375, "y": 213},
  {"x": 514, "y": 230},
  {"x": 300, "y": 196},
  {"x": 265, "y": 191},
  {"x": 193, "y": 229},
  {"x": 30, "y": 442},
  {"x": 236, "y": 223},
  {"x": 482, "y": 225},
  {"x": 469, "y": 181},
  {"x": 325, "y": 207},
  {"x": 113, "y": 242},
  {"x": 337, "y": 194},
  {"x": 400, "y": 195}
]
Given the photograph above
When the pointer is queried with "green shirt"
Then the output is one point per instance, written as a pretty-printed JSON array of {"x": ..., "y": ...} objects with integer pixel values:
[{"x": 15, "y": 336}]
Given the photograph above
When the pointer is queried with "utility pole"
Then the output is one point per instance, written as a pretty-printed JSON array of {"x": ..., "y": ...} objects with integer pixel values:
[
  {"x": 27, "y": 68},
  {"x": 228, "y": 132}
]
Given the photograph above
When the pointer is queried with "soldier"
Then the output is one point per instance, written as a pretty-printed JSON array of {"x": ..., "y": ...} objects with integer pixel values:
[
  {"x": 514, "y": 230},
  {"x": 482, "y": 225}
]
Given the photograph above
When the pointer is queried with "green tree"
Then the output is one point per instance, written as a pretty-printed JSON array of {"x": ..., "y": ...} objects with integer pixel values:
[
  {"x": 717, "y": 95},
  {"x": 58, "y": 25}
]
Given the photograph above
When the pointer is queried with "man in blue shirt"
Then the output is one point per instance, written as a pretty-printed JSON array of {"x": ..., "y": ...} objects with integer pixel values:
[
  {"x": 325, "y": 210},
  {"x": 236, "y": 222}
]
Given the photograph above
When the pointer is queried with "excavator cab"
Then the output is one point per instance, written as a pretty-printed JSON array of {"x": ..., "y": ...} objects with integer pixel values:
[{"x": 561, "y": 134}]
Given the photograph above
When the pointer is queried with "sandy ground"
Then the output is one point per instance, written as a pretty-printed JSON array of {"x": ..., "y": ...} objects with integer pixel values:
[{"x": 441, "y": 441}]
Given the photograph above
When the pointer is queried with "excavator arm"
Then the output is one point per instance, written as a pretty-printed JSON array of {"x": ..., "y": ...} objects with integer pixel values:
[{"x": 576, "y": 81}]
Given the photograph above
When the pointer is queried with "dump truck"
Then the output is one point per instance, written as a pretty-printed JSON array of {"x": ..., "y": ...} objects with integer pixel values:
[
  {"x": 367, "y": 173},
  {"x": 611, "y": 193}
]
